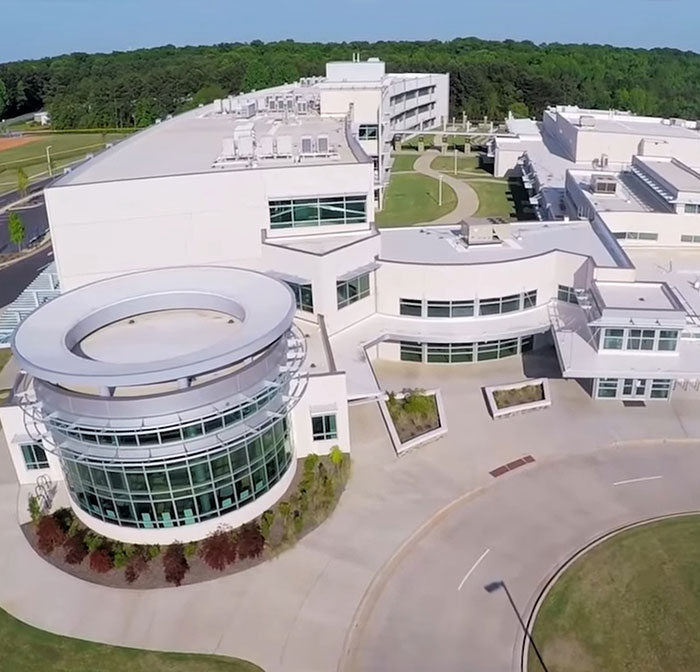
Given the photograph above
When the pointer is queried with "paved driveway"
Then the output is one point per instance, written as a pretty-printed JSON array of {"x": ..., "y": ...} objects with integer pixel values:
[
  {"x": 434, "y": 614},
  {"x": 293, "y": 614}
]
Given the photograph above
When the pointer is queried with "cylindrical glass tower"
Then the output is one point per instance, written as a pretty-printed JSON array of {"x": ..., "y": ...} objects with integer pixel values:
[{"x": 166, "y": 395}]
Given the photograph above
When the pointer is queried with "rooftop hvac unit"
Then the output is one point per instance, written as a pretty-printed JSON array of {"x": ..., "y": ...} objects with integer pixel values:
[
  {"x": 307, "y": 145},
  {"x": 272, "y": 104},
  {"x": 302, "y": 106},
  {"x": 603, "y": 184},
  {"x": 290, "y": 104},
  {"x": 284, "y": 145},
  {"x": 243, "y": 129},
  {"x": 586, "y": 121},
  {"x": 479, "y": 234},
  {"x": 323, "y": 146},
  {"x": 245, "y": 146},
  {"x": 266, "y": 147},
  {"x": 249, "y": 109},
  {"x": 227, "y": 105},
  {"x": 228, "y": 148},
  {"x": 219, "y": 106}
]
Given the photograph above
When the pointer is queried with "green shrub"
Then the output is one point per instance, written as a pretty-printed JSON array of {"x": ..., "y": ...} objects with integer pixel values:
[
  {"x": 152, "y": 551},
  {"x": 337, "y": 457},
  {"x": 121, "y": 557},
  {"x": 94, "y": 541},
  {"x": 34, "y": 509},
  {"x": 266, "y": 521},
  {"x": 310, "y": 463}
]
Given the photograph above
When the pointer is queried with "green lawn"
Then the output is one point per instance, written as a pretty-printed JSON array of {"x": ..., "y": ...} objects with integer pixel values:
[
  {"x": 403, "y": 162},
  {"x": 630, "y": 604},
  {"x": 27, "y": 649},
  {"x": 5, "y": 355},
  {"x": 495, "y": 199},
  {"x": 446, "y": 164},
  {"x": 65, "y": 148},
  {"x": 413, "y": 199}
]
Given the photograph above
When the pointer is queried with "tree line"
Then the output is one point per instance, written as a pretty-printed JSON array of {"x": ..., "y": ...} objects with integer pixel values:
[{"x": 125, "y": 89}]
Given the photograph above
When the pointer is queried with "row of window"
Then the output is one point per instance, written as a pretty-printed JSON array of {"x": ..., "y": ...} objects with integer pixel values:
[
  {"x": 303, "y": 296},
  {"x": 462, "y": 353},
  {"x": 635, "y": 235},
  {"x": 468, "y": 308},
  {"x": 352, "y": 290},
  {"x": 687, "y": 238},
  {"x": 692, "y": 208},
  {"x": 567, "y": 294},
  {"x": 410, "y": 95},
  {"x": 639, "y": 339},
  {"x": 327, "y": 211},
  {"x": 632, "y": 388},
  {"x": 182, "y": 492},
  {"x": 168, "y": 434},
  {"x": 368, "y": 132}
]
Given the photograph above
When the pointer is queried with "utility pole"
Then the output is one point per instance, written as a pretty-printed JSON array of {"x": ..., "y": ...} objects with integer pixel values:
[{"x": 48, "y": 160}]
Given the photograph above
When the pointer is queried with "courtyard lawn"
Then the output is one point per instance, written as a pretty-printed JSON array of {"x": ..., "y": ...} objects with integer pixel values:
[
  {"x": 5, "y": 356},
  {"x": 413, "y": 199},
  {"x": 631, "y": 603},
  {"x": 403, "y": 162},
  {"x": 446, "y": 164},
  {"x": 27, "y": 649},
  {"x": 495, "y": 199}
]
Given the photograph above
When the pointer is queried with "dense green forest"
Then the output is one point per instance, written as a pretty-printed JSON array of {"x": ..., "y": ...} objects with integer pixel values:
[{"x": 134, "y": 88}]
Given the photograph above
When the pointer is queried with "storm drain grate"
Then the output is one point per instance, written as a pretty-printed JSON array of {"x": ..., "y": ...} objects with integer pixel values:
[{"x": 521, "y": 461}]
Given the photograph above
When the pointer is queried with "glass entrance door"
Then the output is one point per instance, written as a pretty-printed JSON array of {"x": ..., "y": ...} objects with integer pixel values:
[{"x": 634, "y": 388}]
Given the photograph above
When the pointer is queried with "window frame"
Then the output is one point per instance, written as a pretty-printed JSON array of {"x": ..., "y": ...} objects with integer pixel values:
[
  {"x": 353, "y": 290},
  {"x": 34, "y": 456},
  {"x": 303, "y": 295},
  {"x": 329, "y": 427},
  {"x": 294, "y": 213}
]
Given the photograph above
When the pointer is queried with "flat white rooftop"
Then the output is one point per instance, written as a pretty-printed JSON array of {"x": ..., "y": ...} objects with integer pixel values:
[
  {"x": 445, "y": 244},
  {"x": 162, "y": 334},
  {"x": 629, "y": 195},
  {"x": 193, "y": 142},
  {"x": 674, "y": 172},
  {"x": 635, "y": 296}
]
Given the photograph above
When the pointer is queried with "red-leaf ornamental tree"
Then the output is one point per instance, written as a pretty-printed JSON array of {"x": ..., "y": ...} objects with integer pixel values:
[
  {"x": 137, "y": 565},
  {"x": 218, "y": 550},
  {"x": 101, "y": 561},
  {"x": 75, "y": 549},
  {"x": 49, "y": 534},
  {"x": 175, "y": 564},
  {"x": 251, "y": 541}
]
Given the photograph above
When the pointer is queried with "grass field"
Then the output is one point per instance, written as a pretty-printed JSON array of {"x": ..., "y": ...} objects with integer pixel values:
[
  {"x": 495, "y": 199},
  {"x": 631, "y": 603},
  {"x": 27, "y": 649},
  {"x": 31, "y": 157},
  {"x": 446, "y": 164},
  {"x": 403, "y": 162},
  {"x": 5, "y": 355},
  {"x": 413, "y": 199}
]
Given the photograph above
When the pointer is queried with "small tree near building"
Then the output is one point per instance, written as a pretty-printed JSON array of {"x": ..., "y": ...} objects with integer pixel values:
[
  {"x": 16, "y": 227},
  {"x": 22, "y": 182}
]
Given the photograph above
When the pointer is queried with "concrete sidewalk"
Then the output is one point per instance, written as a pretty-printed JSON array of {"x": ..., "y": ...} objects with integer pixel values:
[
  {"x": 467, "y": 200},
  {"x": 292, "y": 614}
]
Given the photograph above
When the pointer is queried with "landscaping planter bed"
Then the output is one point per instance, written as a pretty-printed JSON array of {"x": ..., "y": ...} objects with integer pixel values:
[
  {"x": 513, "y": 398},
  {"x": 413, "y": 417},
  {"x": 312, "y": 496}
]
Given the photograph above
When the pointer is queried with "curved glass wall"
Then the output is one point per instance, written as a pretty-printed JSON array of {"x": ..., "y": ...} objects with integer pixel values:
[
  {"x": 182, "y": 491},
  {"x": 106, "y": 436}
]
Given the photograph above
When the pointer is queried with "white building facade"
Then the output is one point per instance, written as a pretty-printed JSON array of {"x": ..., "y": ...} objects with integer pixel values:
[{"x": 281, "y": 184}]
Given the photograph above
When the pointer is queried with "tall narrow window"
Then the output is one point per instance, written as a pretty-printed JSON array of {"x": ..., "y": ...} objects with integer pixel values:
[
  {"x": 34, "y": 456},
  {"x": 303, "y": 295},
  {"x": 324, "y": 427}
]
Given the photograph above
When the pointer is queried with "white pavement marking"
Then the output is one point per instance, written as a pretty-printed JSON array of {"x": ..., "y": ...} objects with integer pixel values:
[
  {"x": 474, "y": 566},
  {"x": 638, "y": 480}
]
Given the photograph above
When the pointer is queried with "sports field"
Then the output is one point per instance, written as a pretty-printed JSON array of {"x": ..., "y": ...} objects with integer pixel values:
[{"x": 29, "y": 153}]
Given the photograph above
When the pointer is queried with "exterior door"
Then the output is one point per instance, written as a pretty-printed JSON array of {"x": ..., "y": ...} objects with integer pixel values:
[{"x": 634, "y": 388}]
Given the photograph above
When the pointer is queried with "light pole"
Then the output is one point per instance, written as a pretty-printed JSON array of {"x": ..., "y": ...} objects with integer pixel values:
[
  {"x": 497, "y": 585},
  {"x": 48, "y": 160},
  {"x": 440, "y": 191},
  {"x": 455, "y": 148}
]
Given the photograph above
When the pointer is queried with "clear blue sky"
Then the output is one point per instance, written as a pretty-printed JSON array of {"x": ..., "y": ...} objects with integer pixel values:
[{"x": 34, "y": 28}]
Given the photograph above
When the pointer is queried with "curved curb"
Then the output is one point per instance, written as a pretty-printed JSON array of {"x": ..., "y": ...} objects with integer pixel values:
[
  {"x": 380, "y": 579},
  {"x": 551, "y": 580}
]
